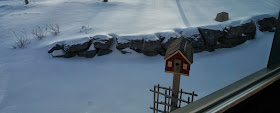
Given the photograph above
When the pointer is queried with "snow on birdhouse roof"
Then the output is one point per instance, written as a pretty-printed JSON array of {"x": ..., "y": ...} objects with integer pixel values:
[{"x": 183, "y": 45}]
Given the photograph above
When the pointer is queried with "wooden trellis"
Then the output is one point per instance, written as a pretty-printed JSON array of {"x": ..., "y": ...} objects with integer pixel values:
[{"x": 167, "y": 98}]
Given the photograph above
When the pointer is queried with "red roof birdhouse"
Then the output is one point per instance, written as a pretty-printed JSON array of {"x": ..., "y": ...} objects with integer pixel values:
[{"x": 179, "y": 57}]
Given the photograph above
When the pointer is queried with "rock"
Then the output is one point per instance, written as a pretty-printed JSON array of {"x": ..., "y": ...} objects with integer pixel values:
[
  {"x": 237, "y": 35},
  {"x": 122, "y": 45},
  {"x": 102, "y": 41},
  {"x": 166, "y": 38},
  {"x": 124, "y": 52},
  {"x": 56, "y": 47},
  {"x": 222, "y": 16},
  {"x": 124, "y": 41},
  {"x": 194, "y": 38},
  {"x": 58, "y": 53},
  {"x": 165, "y": 45},
  {"x": 87, "y": 54},
  {"x": 267, "y": 24},
  {"x": 69, "y": 55},
  {"x": 162, "y": 51},
  {"x": 197, "y": 43},
  {"x": 151, "y": 46},
  {"x": 77, "y": 45},
  {"x": 102, "y": 52},
  {"x": 211, "y": 37},
  {"x": 137, "y": 45}
]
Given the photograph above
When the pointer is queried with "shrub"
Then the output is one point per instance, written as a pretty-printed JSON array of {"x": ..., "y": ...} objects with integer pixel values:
[
  {"x": 54, "y": 29},
  {"x": 21, "y": 39},
  {"x": 40, "y": 32}
]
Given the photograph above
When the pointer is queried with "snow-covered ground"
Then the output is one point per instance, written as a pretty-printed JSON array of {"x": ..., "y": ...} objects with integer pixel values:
[{"x": 31, "y": 81}]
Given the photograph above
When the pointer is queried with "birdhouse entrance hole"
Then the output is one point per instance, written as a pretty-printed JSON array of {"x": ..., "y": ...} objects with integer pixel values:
[{"x": 177, "y": 66}]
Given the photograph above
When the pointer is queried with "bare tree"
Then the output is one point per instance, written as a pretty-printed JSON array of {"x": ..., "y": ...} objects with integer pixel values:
[{"x": 26, "y": 2}]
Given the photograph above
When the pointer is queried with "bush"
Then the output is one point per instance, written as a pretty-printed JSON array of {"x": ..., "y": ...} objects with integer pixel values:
[
  {"x": 40, "y": 32},
  {"x": 87, "y": 29},
  {"x": 21, "y": 40},
  {"x": 54, "y": 29}
]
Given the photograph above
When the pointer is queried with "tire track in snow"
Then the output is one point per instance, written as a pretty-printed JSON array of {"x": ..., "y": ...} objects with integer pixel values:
[
  {"x": 184, "y": 18},
  {"x": 271, "y": 3}
]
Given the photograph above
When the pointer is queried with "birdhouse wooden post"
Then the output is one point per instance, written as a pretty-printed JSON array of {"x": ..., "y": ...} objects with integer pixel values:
[{"x": 178, "y": 57}]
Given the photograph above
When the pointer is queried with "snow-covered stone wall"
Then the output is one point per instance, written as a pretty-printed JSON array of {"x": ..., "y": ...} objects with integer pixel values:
[{"x": 203, "y": 38}]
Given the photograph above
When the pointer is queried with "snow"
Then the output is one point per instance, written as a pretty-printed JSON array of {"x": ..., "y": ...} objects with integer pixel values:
[
  {"x": 189, "y": 32},
  {"x": 102, "y": 37},
  {"x": 91, "y": 47},
  {"x": 87, "y": 29},
  {"x": 32, "y": 81},
  {"x": 76, "y": 41},
  {"x": 167, "y": 35},
  {"x": 145, "y": 37},
  {"x": 58, "y": 53},
  {"x": 116, "y": 82}
]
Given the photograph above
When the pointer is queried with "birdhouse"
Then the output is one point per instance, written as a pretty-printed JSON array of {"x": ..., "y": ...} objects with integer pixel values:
[{"x": 179, "y": 57}]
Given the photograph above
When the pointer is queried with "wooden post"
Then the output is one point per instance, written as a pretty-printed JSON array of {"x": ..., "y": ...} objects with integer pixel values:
[
  {"x": 192, "y": 95},
  {"x": 165, "y": 98},
  {"x": 169, "y": 99},
  {"x": 175, "y": 91},
  {"x": 154, "y": 99},
  {"x": 180, "y": 97},
  {"x": 157, "y": 97}
]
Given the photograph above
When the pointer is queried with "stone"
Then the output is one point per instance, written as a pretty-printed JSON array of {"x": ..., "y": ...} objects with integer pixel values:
[
  {"x": 151, "y": 47},
  {"x": 124, "y": 52},
  {"x": 194, "y": 38},
  {"x": 120, "y": 46},
  {"x": 211, "y": 37},
  {"x": 58, "y": 53},
  {"x": 77, "y": 47},
  {"x": 237, "y": 35},
  {"x": 69, "y": 55},
  {"x": 102, "y": 41},
  {"x": 162, "y": 51},
  {"x": 165, "y": 45},
  {"x": 137, "y": 45},
  {"x": 102, "y": 52},
  {"x": 56, "y": 47},
  {"x": 222, "y": 16},
  {"x": 197, "y": 43},
  {"x": 87, "y": 54},
  {"x": 267, "y": 24}
]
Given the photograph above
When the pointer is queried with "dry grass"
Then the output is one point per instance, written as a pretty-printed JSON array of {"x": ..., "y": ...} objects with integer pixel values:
[
  {"x": 21, "y": 39},
  {"x": 40, "y": 32},
  {"x": 54, "y": 29}
]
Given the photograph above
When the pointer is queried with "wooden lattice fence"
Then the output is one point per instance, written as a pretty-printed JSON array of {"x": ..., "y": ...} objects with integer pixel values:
[{"x": 167, "y": 98}]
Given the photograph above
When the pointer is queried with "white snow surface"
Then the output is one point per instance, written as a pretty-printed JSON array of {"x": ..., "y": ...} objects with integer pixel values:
[
  {"x": 146, "y": 37},
  {"x": 189, "y": 32},
  {"x": 32, "y": 81},
  {"x": 102, "y": 37},
  {"x": 167, "y": 35},
  {"x": 58, "y": 53},
  {"x": 91, "y": 47}
]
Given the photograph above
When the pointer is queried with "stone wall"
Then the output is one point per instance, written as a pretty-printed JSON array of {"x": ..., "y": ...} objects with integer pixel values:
[{"x": 204, "y": 38}]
